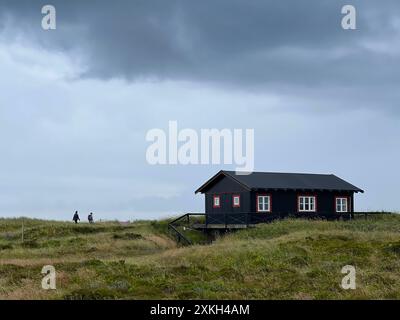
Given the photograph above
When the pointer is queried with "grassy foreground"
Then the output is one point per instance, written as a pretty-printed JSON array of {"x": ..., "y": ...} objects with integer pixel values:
[{"x": 291, "y": 259}]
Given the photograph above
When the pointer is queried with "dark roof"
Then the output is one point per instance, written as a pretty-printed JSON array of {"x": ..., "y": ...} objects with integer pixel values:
[{"x": 284, "y": 181}]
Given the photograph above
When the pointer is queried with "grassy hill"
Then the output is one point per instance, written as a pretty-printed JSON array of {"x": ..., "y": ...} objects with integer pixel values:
[{"x": 291, "y": 259}]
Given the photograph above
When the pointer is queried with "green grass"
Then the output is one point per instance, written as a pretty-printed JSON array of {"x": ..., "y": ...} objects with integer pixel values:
[{"x": 289, "y": 259}]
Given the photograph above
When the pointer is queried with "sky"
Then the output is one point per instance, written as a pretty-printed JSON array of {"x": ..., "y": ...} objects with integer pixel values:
[{"x": 77, "y": 102}]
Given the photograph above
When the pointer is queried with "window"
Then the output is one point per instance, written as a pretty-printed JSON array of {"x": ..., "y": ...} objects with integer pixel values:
[
  {"x": 263, "y": 203},
  {"x": 341, "y": 204},
  {"x": 307, "y": 204},
  {"x": 216, "y": 202},
  {"x": 236, "y": 201}
]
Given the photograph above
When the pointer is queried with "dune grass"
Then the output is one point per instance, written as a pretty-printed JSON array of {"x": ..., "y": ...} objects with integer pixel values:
[{"x": 289, "y": 259}]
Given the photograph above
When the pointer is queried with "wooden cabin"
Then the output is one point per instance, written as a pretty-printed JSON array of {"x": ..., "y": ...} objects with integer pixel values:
[{"x": 234, "y": 201}]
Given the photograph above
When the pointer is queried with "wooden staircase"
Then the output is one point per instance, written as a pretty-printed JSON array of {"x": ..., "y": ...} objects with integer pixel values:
[{"x": 173, "y": 225}]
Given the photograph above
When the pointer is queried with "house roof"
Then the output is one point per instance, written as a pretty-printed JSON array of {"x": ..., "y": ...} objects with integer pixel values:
[{"x": 283, "y": 181}]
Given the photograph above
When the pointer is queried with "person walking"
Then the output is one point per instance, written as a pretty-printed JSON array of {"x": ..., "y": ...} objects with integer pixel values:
[
  {"x": 76, "y": 217},
  {"x": 90, "y": 218}
]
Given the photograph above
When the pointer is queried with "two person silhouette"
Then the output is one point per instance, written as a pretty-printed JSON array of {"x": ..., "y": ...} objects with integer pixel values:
[{"x": 76, "y": 217}]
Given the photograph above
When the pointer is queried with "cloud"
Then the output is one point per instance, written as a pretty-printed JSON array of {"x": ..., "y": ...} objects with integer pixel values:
[
  {"x": 300, "y": 50},
  {"x": 261, "y": 42},
  {"x": 77, "y": 103}
]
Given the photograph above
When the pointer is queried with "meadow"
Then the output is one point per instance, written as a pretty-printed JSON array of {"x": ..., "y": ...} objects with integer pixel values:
[{"x": 288, "y": 259}]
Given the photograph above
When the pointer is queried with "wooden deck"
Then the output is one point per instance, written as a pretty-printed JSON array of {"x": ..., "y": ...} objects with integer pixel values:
[
  {"x": 203, "y": 226},
  {"x": 229, "y": 221}
]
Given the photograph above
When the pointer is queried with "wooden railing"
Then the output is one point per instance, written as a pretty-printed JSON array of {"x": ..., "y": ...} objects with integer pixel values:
[
  {"x": 180, "y": 237},
  {"x": 242, "y": 218},
  {"x": 226, "y": 220},
  {"x": 367, "y": 215},
  {"x": 172, "y": 226},
  {"x": 254, "y": 218}
]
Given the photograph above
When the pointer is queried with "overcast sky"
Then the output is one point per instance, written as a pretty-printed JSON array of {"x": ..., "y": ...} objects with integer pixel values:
[{"x": 76, "y": 102}]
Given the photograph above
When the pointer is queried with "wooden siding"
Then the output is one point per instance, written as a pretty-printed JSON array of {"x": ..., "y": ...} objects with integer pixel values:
[{"x": 281, "y": 201}]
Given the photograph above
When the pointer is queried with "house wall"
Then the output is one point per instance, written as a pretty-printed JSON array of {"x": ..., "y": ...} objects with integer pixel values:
[
  {"x": 282, "y": 201},
  {"x": 226, "y": 188},
  {"x": 287, "y": 201}
]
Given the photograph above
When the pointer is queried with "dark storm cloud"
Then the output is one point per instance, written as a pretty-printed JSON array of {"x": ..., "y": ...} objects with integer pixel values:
[
  {"x": 228, "y": 41},
  {"x": 76, "y": 103}
]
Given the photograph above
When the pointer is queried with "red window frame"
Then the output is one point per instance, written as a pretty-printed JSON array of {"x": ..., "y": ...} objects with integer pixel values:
[
  {"x": 233, "y": 200},
  {"x": 270, "y": 202},
  {"x": 307, "y": 195},
  {"x": 219, "y": 201}
]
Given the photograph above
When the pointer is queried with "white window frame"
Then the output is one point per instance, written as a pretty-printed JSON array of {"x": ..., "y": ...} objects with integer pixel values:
[
  {"x": 216, "y": 205},
  {"x": 307, "y": 203},
  {"x": 342, "y": 202},
  {"x": 265, "y": 205},
  {"x": 234, "y": 197}
]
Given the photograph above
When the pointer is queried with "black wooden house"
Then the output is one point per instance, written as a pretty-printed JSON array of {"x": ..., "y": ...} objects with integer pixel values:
[{"x": 237, "y": 200}]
